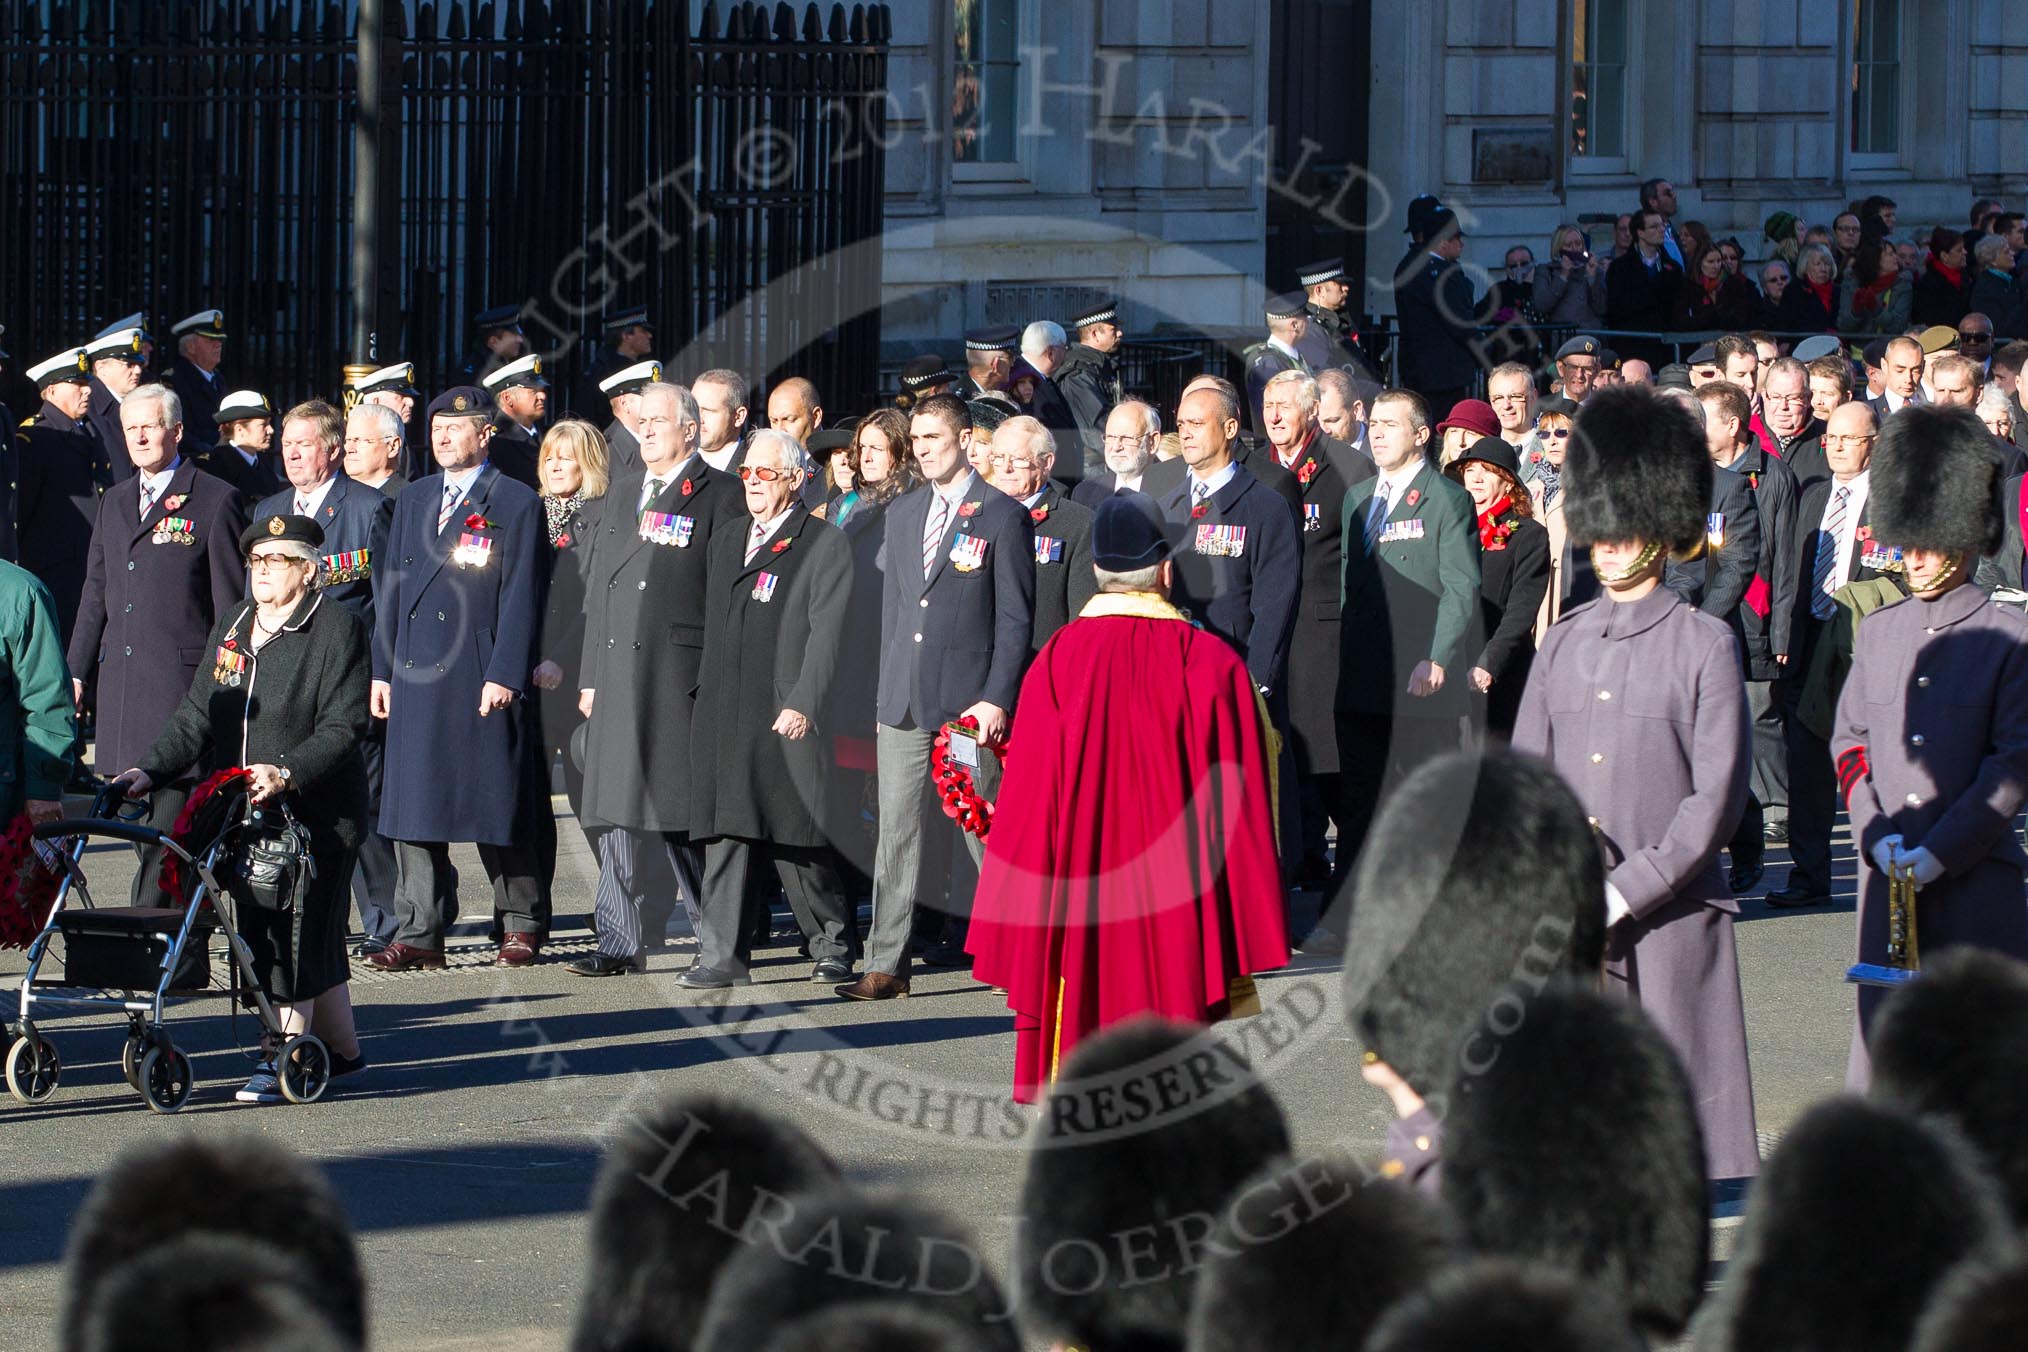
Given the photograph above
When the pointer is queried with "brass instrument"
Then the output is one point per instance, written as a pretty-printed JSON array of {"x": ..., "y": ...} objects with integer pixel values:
[{"x": 1903, "y": 956}]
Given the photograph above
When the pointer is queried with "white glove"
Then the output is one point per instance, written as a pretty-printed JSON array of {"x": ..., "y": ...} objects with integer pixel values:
[
  {"x": 1884, "y": 854},
  {"x": 1616, "y": 906},
  {"x": 1926, "y": 867}
]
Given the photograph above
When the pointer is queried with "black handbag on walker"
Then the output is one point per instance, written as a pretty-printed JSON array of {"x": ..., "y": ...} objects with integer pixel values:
[{"x": 274, "y": 868}]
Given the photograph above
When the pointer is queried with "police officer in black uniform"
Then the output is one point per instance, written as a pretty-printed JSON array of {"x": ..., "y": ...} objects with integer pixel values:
[
  {"x": 1331, "y": 339},
  {"x": 200, "y": 343},
  {"x": 520, "y": 399},
  {"x": 989, "y": 356},
  {"x": 625, "y": 339},
  {"x": 62, "y": 474},
  {"x": 118, "y": 358},
  {"x": 1287, "y": 322},
  {"x": 1090, "y": 375},
  {"x": 500, "y": 340}
]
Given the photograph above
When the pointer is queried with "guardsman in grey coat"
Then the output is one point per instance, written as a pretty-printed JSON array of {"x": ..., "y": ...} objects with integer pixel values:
[
  {"x": 1024, "y": 451},
  {"x": 643, "y": 652},
  {"x": 1638, "y": 701},
  {"x": 1287, "y": 324},
  {"x": 63, "y": 473},
  {"x": 354, "y": 520},
  {"x": 118, "y": 358},
  {"x": 774, "y": 627},
  {"x": 1410, "y": 626},
  {"x": 457, "y": 614},
  {"x": 1931, "y": 735},
  {"x": 956, "y": 620},
  {"x": 1324, "y": 470},
  {"x": 164, "y": 564},
  {"x": 622, "y": 390}
]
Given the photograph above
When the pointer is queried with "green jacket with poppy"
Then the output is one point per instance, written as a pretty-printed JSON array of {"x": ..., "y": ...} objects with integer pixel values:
[
  {"x": 35, "y": 704},
  {"x": 1413, "y": 597}
]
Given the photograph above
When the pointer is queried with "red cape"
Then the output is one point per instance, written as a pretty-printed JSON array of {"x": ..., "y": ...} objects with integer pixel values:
[{"x": 1131, "y": 865}]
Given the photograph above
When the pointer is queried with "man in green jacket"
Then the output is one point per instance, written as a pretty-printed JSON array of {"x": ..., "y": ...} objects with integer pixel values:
[{"x": 36, "y": 727}]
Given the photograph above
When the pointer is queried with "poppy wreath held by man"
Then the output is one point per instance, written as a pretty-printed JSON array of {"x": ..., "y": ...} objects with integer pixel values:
[{"x": 962, "y": 802}]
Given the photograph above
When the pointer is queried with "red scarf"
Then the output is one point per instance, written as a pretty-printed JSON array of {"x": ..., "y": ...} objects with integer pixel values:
[
  {"x": 1823, "y": 295},
  {"x": 1954, "y": 276},
  {"x": 1867, "y": 300},
  {"x": 1711, "y": 286},
  {"x": 1492, "y": 534}
]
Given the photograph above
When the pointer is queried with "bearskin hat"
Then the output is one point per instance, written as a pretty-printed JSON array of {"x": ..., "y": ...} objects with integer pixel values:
[
  {"x": 1981, "y": 1306},
  {"x": 1637, "y": 469},
  {"x": 1571, "y": 1138},
  {"x": 1935, "y": 482},
  {"x": 1512, "y": 1306},
  {"x": 877, "y": 1326},
  {"x": 1855, "y": 1220},
  {"x": 1515, "y": 885},
  {"x": 671, "y": 1205},
  {"x": 1275, "y": 1267},
  {"x": 1120, "y": 1151},
  {"x": 1954, "y": 1044},
  {"x": 208, "y": 1292}
]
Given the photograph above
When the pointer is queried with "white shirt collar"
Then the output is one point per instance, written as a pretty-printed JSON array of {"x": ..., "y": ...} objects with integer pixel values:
[
  {"x": 721, "y": 459},
  {"x": 158, "y": 483},
  {"x": 1215, "y": 483},
  {"x": 773, "y": 524},
  {"x": 1395, "y": 482},
  {"x": 1035, "y": 497},
  {"x": 313, "y": 499},
  {"x": 463, "y": 479},
  {"x": 1275, "y": 342},
  {"x": 674, "y": 475},
  {"x": 957, "y": 491},
  {"x": 1129, "y": 483}
]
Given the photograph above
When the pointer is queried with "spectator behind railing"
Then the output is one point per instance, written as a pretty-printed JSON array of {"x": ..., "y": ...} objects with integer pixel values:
[
  {"x": 1810, "y": 302},
  {"x": 1876, "y": 294},
  {"x": 1571, "y": 287},
  {"x": 1943, "y": 294},
  {"x": 1713, "y": 298}
]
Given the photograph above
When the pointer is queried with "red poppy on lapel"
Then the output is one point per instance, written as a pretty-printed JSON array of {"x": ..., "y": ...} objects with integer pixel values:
[
  {"x": 1039, "y": 513},
  {"x": 1414, "y": 496},
  {"x": 477, "y": 522},
  {"x": 688, "y": 488},
  {"x": 173, "y": 501},
  {"x": 1198, "y": 511},
  {"x": 969, "y": 509},
  {"x": 1306, "y": 473},
  {"x": 780, "y": 545},
  {"x": 563, "y": 541}
]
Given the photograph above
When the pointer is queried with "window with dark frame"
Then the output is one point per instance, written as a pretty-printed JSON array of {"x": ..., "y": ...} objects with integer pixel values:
[
  {"x": 985, "y": 70},
  {"x": 1598, "y": 78},
  {"x": 1876, "y": 77}
]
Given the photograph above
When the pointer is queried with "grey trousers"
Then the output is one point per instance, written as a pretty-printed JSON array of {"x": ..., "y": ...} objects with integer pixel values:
[
  {"x": 1770, "y": 782},
  {"x": 620, "y": 901},
  {"x": 913, "y": 856},
  {"x": 809, "y": 879},
  {"x": 426, "y": 891}
]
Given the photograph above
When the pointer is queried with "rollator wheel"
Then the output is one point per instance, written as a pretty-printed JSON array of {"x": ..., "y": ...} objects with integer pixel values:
[
  {"x": 165, "y": 1079},
  {"x": 304, "y": 1068},
  {"x": 130, "y": 1061},
  {"x": 33, "y": 1069}
]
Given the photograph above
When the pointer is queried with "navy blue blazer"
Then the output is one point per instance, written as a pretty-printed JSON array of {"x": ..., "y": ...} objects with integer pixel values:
[
  {"x": 961, "y": 635},
  {"x": 1239, "y": 569},
  {"x": 443, "y": 627},
  {"x": 355, "y": 519}
]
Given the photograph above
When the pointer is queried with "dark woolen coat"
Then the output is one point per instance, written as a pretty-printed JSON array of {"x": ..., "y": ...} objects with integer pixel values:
[
  {"x": 1512, "y": 582},
  {"x": 563, "y": 621},
  {"x": 442, "y": 631},
  {"x": 515, "y": 453},
  {"x": 1323, "y": 473},
  {"x": 768, "y": 648},
  {"x": 1064, "y": 580},
  {"x": 850, "y": 712},
  {"x": 145, "y": 604},
  {"x": 61, "y": 474},
  {"x": 301, "y": 704},
  {"x": 644, "y": 646}
]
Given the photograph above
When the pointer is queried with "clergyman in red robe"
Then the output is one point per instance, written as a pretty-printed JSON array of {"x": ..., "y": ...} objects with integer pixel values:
[{"x": 1130, "y": 867}]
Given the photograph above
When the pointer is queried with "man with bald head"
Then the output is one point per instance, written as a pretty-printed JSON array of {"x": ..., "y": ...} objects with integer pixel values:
[
  {"x": 795, "y": 408},
  {"x": 1835, "y": 546}
]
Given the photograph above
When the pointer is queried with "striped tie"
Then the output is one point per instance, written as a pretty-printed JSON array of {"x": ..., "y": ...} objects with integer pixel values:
[
  {"x": 1376, "y": 517},
  {"x": 933, "y": 536},
  {"x": 1822, "y": 582}
]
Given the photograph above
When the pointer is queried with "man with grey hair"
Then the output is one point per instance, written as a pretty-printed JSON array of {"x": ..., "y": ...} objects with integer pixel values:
[
  {"x": 163, "y": 565},
  {"x": 1510, "y": 389},
  {"x": 1132, "y": 429},
  {"x": 373, "y": 448},
  {"x": 643, "y": 651},
  {"x": 1790, "y": 429},
  {"x": 1044, "y": 346},
  {"x": 774, "y": 626},
  {"x": 1019, "y": 463}
]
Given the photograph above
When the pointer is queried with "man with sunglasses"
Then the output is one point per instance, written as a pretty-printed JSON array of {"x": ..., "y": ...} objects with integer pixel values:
[{"x": 1975, "y": 340}]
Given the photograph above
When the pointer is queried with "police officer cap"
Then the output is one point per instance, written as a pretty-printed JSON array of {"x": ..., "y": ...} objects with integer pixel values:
[
  {"x": 1706, "y": 355},
  {"x": 302, "y": 536},
  {"x": 461, "y": 401},
  {"x": 204, "y": 324},
  {"x": 636, "y": 318},
  {"x": 632, "y": 379},
  {"x": 244, "y": 404},
  {"x": 1321, "y": 271},
  {"x": 1126, "y": 534},
  {"x": 64, "y": 366},
  {"x": 497, "y": 317},
  {"x": 1583, "y": 345},
  {"x": 1818, "y": 345},
  {"x": 922, "y": 372},
  {"x": 124, "y": 344},
  {"x": 522, "y": 371},
  {"x": 1419, "y": 210},
  {"x": 1098, "y": 312},
  {"x": 993, "y": 338},
  {"x": 1287, "y": 305},
  {"x": 400, "y": 378}
]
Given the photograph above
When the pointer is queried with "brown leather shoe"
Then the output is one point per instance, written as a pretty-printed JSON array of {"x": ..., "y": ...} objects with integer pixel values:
[
  {"x": 875, "y": 986},
  {"x": 400, "y": 957},
  {"x": 518, "y": 949}
]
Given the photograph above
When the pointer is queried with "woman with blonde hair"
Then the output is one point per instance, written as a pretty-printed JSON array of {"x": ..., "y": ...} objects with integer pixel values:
[
  {"x": 574, "y": 466},
  {"x": 1570, "y": 286}
]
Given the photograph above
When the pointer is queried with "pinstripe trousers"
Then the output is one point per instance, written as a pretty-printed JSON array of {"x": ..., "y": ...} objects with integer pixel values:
[{"x": 617, "y": 904}]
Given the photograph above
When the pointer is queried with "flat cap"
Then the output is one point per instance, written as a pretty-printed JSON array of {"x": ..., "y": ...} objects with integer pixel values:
[
  {"x": 631, "y": 379},
  {"x": 204, "y": 324},
  {"x": 244, "y": 404},
  {"x": 400, "y": 378},
  {"x": 1126, "y": 534},
  {"x": 461, "y": 401},
  {"x": 1706, "y": 355},
  {"x": 522, "y": 371},
  {"x": 64, "y": 366}
]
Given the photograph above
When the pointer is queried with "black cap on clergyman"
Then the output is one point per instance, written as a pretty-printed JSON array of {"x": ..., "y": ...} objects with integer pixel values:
[
  {"x": 462, "y": 401},
  {"x": 1127, "y": 533}
]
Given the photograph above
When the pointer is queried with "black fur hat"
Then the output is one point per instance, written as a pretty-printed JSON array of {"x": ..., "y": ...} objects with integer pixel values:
[
  {"x": 877, "y": 1326},
  {"x": 837, "y": 1245},
  {"x": 1122, "y": 1150},
  {"x": 1858, "y": 1215},
  {"x": 1276, "y": 1269},
  {"x": 1571, "y": 1139},
  {"x": 208, "y": 1292},
  {"x": 1982, "y": 1306},
  {"x": 669, "y": 1208},
  {"x": 1514, "y": 885},
  {"x": 1637, "y": 469},
  {"x": 1513, "y": 1307},
  {"x": 1954, "y": 1044},
  {"x": 236, "y": 1185},
  {"x": 1935, "y": 482}
]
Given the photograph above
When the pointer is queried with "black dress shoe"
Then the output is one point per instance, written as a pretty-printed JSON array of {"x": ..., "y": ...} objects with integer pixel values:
[
  {"x": 1744, "y": 876},
  {"x": 836, "y": 971},
  {"x": 1792, "y": 897},
  {"x": 947, "y": 954},
  {"x": 1322, "y": 943},
  {"x": 1775, "y": 833},
  {"x": 366, "y": 948},
  {"x": 698, "y": 977},
  {"x": 598, "y": 964}
]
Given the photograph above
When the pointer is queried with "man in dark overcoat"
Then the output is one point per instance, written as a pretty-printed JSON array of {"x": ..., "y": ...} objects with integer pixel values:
[
  {"x": 1931, "y": 735},
  {"x": 1409, "y": 625},
  {"x": 957, "y": 616},
  {"x": 1637, "y": 701},
  {"x": 354, "y": 520},
  {"x": 622, "y": 391},
  {"x": 1324, "y": 469},
  {"x": 1438, "y": 316},
  {"x": 776, "y": 606},
  {"x": 457, "y": 614},
  {"x": 1021, "y": 462},
  {"x": 164, "y": 563},
  {"x": 643, "y": 652},
  {"x": 521, "y": 395},
  {"x": 63, "y": 473}
]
